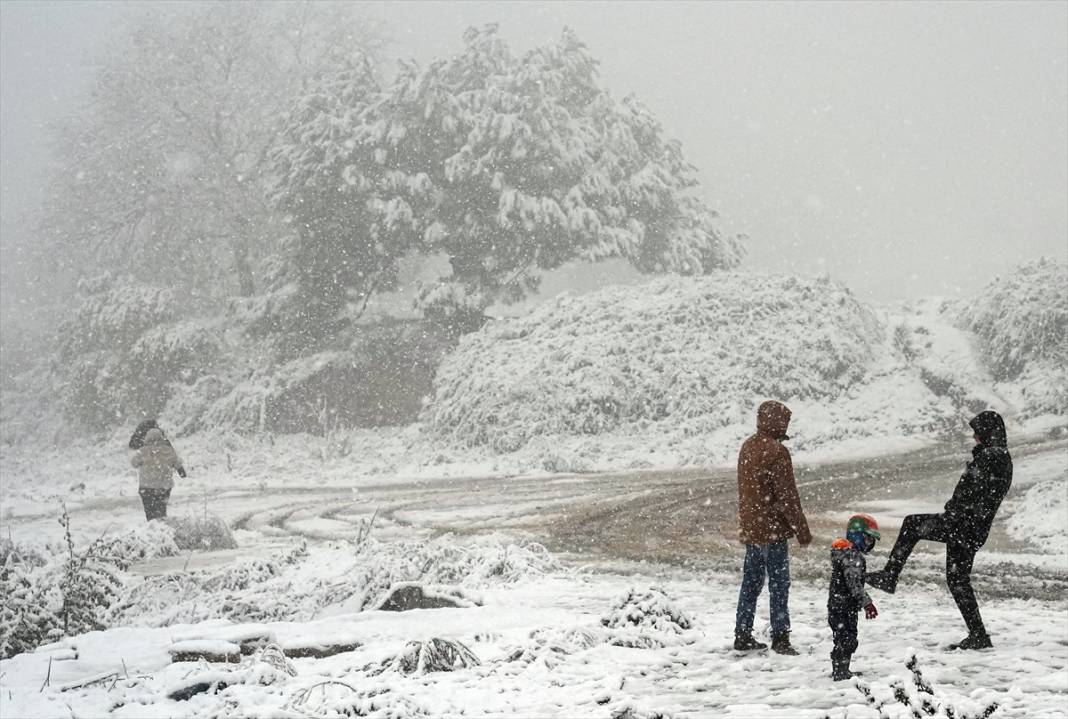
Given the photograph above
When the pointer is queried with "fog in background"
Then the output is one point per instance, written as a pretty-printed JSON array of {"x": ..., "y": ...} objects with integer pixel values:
[{"x": 907, "y": 149}]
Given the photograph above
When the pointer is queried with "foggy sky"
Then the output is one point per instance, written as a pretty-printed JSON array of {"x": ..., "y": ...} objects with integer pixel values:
[{"x": 907, "y": 149}]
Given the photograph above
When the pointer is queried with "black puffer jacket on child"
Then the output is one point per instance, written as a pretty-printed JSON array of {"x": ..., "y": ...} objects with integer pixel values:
[{"x": 848, "y": 569}]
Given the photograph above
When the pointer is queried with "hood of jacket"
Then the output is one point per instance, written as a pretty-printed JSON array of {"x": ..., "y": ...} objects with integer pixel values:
[
  {"x": 990, "y": 429},
  {"x": 773, "y": 419}
]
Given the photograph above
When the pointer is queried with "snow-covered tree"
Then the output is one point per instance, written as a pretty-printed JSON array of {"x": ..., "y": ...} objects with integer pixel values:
[
  {"x": 352, "y": 213},
  {"x": 160, "y": 175},
  {"x": 505, "y": 165},
  {"x": 121, "y": 352}
]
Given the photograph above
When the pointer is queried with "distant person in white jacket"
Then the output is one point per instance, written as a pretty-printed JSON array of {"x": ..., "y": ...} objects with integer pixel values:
[{"x": 156, "y": 462}]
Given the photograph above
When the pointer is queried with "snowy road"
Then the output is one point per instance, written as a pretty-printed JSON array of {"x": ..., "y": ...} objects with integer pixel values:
[{"x": 672, "y": 516}]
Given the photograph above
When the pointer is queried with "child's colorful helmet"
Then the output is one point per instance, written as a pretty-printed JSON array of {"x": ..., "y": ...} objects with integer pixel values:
[{"x": 864, "y": 523}]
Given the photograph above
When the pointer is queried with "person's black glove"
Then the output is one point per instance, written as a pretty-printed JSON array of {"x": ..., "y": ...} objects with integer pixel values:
[{"x": 181, "y": 472}]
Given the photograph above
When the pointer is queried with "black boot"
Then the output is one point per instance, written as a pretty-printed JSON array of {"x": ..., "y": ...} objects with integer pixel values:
[
  {"x": 883, "y": 580},
  {"x": 744, "y": 642},
  {"x": 972, "y": 641},
  {"x": 840, "y": 669},
  {"x": 780, "y": 644}
]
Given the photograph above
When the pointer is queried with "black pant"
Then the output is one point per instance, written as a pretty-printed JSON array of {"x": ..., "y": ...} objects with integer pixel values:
[
  {"x": 959, "y": 558},
  {"x": 155, "y": 502},
  {"x": 843, "y": 621}
]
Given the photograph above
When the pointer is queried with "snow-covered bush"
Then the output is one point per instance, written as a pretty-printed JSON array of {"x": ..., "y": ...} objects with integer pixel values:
[
  {"x": 144, "y": 542},
  {"x": 432, "y": 655},
  {"x": 649, "y": 609},
  {"x": 550, "y": 647},
  {"x": 28, "y": 612},
  {"x": 379, "y": 375},
  {"x": 332, "y": 698},
  {"x": 121, "y": 351},
  {"x": 59, "y": 596},
  {"x": 1021, "y": 320},
  {"x": 202, "y": 532},
  {"x": 689, "y": 353}
]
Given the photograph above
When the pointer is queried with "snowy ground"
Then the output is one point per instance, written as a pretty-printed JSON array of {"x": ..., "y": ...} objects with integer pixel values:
[
  {"x": 568, "y": 665},
  {"x": 539, "y": 639}
]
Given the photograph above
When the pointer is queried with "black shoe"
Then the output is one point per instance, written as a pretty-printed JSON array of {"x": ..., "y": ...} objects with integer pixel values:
[
  {"x": 882, "y": 580},
  {"x": 780, "y": 644},
  {"x": 746, "y": 643},
  {"x": 972, "y": 641}
]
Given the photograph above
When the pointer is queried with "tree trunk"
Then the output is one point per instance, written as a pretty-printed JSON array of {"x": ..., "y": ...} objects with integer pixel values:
[{"x": 246, "y": 286}]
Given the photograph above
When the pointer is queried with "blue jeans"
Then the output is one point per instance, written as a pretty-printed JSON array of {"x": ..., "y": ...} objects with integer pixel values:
[{"x": 773, "y": 561}]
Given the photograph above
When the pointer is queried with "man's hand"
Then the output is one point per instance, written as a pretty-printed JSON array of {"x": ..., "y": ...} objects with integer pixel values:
[
  {"x": 870, "y": 612},
  {"x": 804, "y": 539},
  {"x": 181, "y": 472}
]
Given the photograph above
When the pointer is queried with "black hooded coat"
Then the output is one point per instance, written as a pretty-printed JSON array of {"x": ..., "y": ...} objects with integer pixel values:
[{"x": 984, "y": 484}]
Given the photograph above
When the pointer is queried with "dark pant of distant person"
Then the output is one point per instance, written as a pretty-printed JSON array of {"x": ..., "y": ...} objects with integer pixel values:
[
  {"x": 771, "y": 561},
  {"x": 843, "y": 621},
  {"x": 155, "y": 502},
  {"x": 959, "y": 560}
]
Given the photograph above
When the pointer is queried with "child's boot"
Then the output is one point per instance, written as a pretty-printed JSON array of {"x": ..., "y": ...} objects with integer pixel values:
[{"x": 840, "y": 669}]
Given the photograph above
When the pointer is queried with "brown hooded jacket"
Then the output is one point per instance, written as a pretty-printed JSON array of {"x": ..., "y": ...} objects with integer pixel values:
[{"x": 769, "y": 508}]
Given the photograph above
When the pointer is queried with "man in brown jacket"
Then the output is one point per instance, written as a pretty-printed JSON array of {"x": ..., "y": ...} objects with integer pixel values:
[{"x": 769, "y": 513}]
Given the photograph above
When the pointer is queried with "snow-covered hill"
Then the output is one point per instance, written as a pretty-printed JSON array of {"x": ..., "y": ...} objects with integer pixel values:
[{"x": 670, "y": 372}]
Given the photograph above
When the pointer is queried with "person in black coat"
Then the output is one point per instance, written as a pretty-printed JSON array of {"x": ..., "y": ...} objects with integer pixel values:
[{"x": 963, "y": 526}]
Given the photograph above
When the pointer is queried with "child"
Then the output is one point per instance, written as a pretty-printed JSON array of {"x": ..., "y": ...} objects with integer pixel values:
[{"x": 847, "y": 595}]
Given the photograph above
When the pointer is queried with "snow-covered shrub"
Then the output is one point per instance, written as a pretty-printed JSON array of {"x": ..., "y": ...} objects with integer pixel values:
[
  {"x": 90, "y": 582},
  {"x": 122, "y": 350},
  {"x": 442, "y": 561},
  {"x": 692, "y": 353},
  {"x": 202, "y": 532},
  {"x": 28, "y": 616},
  {"x": 550, "y": 647},
  {"x": 513, "y": 562},
  {"x": 378, "y": 376},
  {"x": 14, "y": 554},
  {"x": 188, "y": 405},
  {"x": 241, "y": 575},
  {"x": 921, "y": 699},
  {"x": 144, "y": 542},
  {"x": 1022, "y": 324},
  {"x": 433, "y": 655},
  {"x": 61, "y": 596},
  {"x": 649, "y": 609},
  {"x": 332, "y": 698}
]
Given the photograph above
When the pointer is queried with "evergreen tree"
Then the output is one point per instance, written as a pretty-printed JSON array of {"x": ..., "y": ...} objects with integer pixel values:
[{"x": 505, "y": 165}]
